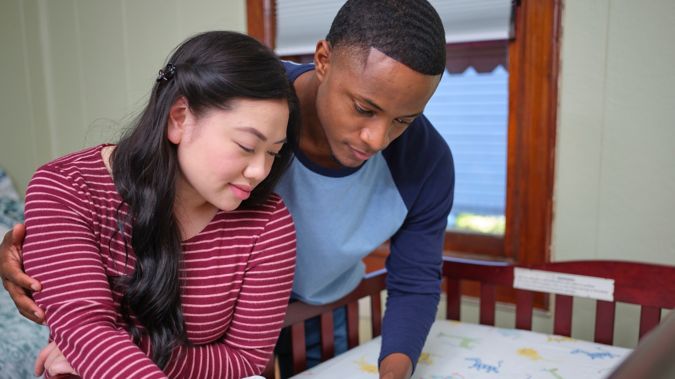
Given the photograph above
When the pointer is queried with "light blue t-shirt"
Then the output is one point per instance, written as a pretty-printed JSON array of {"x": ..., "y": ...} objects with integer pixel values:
[
  {"x": 339, "y": 220},
  {"x": 403, "y": 194}
]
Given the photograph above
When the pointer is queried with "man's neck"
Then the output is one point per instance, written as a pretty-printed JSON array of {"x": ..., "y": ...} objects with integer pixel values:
[{"x": 312, "y": 141}]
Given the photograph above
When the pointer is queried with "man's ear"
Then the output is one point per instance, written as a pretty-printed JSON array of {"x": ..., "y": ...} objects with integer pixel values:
[
  {"x": 322, "y": 58},
  {"x": 178, "y": 115}
]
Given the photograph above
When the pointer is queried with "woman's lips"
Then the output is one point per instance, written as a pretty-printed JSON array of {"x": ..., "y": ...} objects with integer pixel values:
[{"x": 240, "y": 191}]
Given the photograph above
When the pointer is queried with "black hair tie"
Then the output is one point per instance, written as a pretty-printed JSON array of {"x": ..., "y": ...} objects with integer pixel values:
[{"x": 166, "y": 73}]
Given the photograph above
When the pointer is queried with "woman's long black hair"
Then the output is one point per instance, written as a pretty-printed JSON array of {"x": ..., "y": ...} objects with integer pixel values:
[{"x": 211, "y": 69}]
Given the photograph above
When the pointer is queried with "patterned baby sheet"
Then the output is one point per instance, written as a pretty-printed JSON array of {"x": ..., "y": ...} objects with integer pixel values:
[{"x": 456, "y": 350}]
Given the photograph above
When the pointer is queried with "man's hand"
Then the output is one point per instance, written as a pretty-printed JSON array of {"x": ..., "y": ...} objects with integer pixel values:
[
  {"x": 396, "y": 366},
  {"x": 16, "y": 282},
  {"x": 54, "y": 362}
]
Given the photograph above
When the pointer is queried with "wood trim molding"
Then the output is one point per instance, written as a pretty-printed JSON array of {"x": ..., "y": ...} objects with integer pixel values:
[
  {"x": 261, "y": 21},
  {"x": 488, "y": 245},
  {"x": 533, "y": 102}
]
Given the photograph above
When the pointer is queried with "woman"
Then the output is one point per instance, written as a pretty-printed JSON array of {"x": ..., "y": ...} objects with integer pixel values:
[{"x": 167, "y": 255}]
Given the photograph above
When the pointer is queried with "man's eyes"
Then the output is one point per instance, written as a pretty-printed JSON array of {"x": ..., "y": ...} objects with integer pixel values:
[
  {"x": 403, "y": 121},
  {"x": 366, "y": 112},
  {"x": 362, "y": 111}
]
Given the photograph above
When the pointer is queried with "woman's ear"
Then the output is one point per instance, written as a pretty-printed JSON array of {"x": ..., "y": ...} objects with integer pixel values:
[
  {"x": 322, "y": 55},
  {"x": 178, "y": 115}
]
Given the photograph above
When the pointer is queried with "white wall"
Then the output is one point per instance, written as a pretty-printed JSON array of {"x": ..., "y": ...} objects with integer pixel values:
[
  {"x": 614, "y": 195},
  {"x": 72, "y": 70},
  {"x": 615, "y": 155},
  {"x": 75, "y": 71},
  {"x": 615, "y": 174}
]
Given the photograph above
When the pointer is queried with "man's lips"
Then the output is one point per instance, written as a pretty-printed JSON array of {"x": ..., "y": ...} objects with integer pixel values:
[{"x": 361, "y": 155}]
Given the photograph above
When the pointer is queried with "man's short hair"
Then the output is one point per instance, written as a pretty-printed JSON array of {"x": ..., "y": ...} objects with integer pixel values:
[{"x": 408, "y": 31}]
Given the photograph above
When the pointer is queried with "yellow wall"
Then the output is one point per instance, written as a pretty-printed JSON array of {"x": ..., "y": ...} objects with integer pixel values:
[{"x": 75, "y": 71}]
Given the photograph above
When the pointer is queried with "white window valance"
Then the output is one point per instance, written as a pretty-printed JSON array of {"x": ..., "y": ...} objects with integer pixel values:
[{"x": 301, "y": 23}]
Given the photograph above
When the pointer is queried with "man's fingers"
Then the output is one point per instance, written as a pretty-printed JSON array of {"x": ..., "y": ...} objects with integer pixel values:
[
  {"x": 25, "y": 304},
  {"x": 7, "y": 238},
  {"x": 37, "y": 317},
  {"x": 18, "y": 234},
  {"x": 13, "y": 240},
  {"x": 10, "y": 261},
  {"x": 16, "y": 282},
  {"x": 15, "y": 276}
]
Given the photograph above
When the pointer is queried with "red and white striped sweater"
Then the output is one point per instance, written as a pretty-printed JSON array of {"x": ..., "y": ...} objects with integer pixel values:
[{"x": 236, "y": 275}]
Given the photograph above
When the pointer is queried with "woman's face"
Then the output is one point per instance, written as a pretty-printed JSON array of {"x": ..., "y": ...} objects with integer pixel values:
[{"x": 224, "y": 154}]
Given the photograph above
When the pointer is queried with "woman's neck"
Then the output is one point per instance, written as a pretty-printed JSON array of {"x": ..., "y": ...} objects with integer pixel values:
[
  {"x": 106, "y": 155},
  {"x": 192, "y": 212}
]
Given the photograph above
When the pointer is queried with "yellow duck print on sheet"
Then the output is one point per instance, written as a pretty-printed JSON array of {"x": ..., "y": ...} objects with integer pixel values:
[
  {"x": 425, "y": 359},
  {"x": 366, "y": 367},
  {"x": 529, "y": 353}
]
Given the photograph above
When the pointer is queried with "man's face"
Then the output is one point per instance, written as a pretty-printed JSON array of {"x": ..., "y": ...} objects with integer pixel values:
[{"x": 365, "y": 102}]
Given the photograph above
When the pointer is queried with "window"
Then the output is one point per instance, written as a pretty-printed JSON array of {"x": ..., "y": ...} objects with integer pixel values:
[
  {"x": 532, "y": 105},
  {"x": 470, "y": 110}
]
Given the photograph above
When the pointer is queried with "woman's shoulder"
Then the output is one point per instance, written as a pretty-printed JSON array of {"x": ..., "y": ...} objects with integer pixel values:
[
  {"x": 89, "y": 158},
  {"x": 273, "y": 203},
  {"x": 247, "y": 222},
  {"x": 271, "y": 209},
  {"x": 275, "y": 200},
  {"x": 75, "y": 170}
]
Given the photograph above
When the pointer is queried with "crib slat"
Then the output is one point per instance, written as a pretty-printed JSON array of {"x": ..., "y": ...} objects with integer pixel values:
[
  {"x": 327, "y": 331},
  {"x": 488, "y": 299},
  {"x": 453, "y": 299},
  {"x": 376, "y": 314},
  {"x": 604, "y": 322},
  {"x": 298, "y": 347},
  {"x": 352, "y": 324},
  {"x": 649, "y": 318},
  {"x": 562, "y": 321},
  {"x": 524, "y": 309}
]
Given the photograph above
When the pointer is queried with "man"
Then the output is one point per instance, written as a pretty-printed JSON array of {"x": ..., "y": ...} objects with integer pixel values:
[{"x": 370, "y": 168}]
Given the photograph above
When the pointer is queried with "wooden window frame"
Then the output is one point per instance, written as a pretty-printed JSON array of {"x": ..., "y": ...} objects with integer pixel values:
[
  {"x": 261, "y": 21},
  {"x": 532, "y": 117}
]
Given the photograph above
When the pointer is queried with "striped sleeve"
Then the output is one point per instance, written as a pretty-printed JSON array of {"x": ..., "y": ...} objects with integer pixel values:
[
  {"x": 61, "y": 251},
  {"x": 259, "y": 311}
]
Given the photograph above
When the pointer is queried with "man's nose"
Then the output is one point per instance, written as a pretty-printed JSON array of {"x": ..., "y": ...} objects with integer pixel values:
[{"x": 376, "y": 136}]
